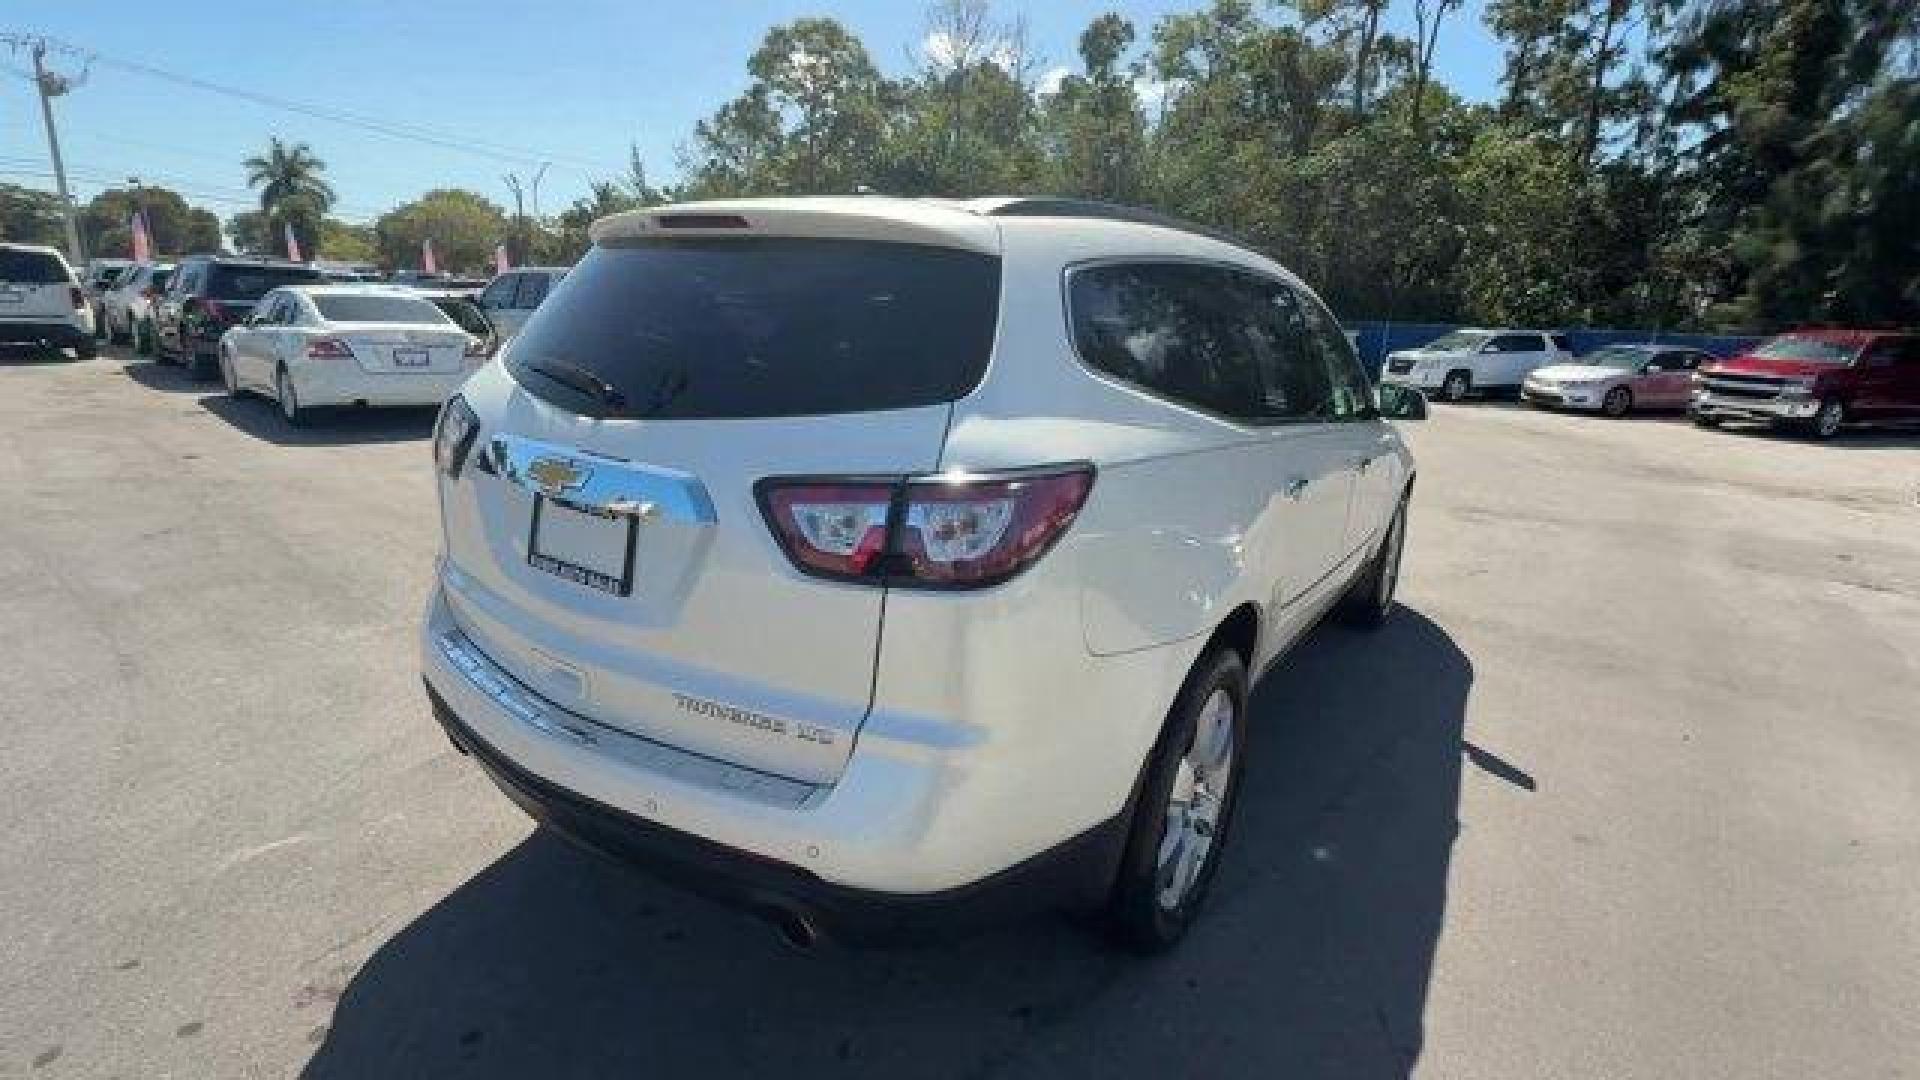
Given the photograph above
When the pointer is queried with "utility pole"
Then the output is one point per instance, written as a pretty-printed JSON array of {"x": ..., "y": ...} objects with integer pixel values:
[
  {"x": 51, "y": 85},
  {"x": 519, "y": 215}
]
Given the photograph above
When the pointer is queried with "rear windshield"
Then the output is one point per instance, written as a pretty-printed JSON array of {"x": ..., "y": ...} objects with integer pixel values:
[
  {"x": 761, "y": 327},
  {"x": 1817, "y": 350},
  {"x": 32, "y": 268},
  {"x": 249, "y": 283},
  {"x": 383, "y": 309}
]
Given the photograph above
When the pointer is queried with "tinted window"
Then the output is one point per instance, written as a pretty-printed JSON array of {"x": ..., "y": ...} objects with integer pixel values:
[
  {"x": 1352, "y": 392},
  {"x": 1518, "y": 343},
  {"x": 1562, "y": 342},
  {"x": 31, "y": 268},
  {"x": 762, "y": 327},
  {"x": 500, "y": 293},
  {"x": 533, "y": 289},
  {"x": 248, "y": 283},
  {"x": 159, "y": 279},
  {"x": 383, "y": 309},
  {"x": 465, "y": 314},
  {"x": 1209, "y": 337},
  {"x": 1813, "y": 350}
]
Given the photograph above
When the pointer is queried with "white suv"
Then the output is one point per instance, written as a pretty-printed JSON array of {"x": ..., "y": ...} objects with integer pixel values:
[
  {"x": 884, "y": 564},
  {"x": 1475, "y": 361},
  {"x": 41, "y": 302}
]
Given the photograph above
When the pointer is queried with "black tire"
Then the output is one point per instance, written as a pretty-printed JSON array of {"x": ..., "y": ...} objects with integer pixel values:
[
  {"x": 1135, "y": 910},
  {"x": 1827, "y": 420},
  {"x": 1369, "y": 600},
  {"x": 1456, "y": 386},
  {"x": 233, "y": 387},
  {"x": 288, "y": 400},
  {"x": 1618, "y": 402},
  {"x": 143, "y": 338},
  {"x": 201, "y": 366},
  {"x": 1704, "y": 420},
  {"x": 86, "y": 348}
]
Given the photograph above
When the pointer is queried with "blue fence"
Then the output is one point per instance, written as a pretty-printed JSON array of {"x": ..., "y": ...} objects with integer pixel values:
[{"x": 1376, "y": 339}]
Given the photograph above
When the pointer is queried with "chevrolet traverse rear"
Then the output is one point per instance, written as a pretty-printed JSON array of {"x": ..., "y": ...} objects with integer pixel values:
[{"x": 802, "y": 551}]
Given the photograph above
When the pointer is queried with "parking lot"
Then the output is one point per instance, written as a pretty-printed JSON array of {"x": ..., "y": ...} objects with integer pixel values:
[{"x": 1630, "y": 787}]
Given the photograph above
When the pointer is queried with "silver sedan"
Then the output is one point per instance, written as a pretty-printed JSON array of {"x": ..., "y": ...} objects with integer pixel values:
[{"x": 1618, "y": 379}]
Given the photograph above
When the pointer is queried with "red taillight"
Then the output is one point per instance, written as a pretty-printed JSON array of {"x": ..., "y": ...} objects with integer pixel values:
[
  {"x": 78, "y": 296},
  {"x": 954, "y": 531},
  {"x": 328, "y": 348}
]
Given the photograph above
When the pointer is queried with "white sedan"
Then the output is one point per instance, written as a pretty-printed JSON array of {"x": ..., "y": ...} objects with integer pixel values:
[{"x": 309, "y": 346}]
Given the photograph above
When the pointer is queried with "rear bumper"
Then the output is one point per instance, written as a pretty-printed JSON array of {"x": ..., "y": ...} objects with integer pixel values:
[
  {"x": 774, "y": 889},
  {"x": 828, "y": 854},
  {"x": 61, "y": 331},
  {"x": 319, "y": 384}
]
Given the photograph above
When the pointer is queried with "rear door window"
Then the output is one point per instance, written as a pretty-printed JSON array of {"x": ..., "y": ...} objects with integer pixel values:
[
  {"x": 1518, "y": 343},
  {"x": 31, "y": 268},
  {"x": 762, "y": 327},
  {"x": 1211, "y": 338}
]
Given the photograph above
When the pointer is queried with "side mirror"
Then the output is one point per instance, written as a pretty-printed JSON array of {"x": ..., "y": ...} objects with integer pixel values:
[{"x": 1401, "y": 402}]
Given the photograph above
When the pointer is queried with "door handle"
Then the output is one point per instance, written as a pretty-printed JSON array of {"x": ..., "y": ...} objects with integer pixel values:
[{"x": 1295, "y": 488}]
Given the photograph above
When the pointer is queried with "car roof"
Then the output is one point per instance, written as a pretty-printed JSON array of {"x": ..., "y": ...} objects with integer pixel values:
[
  {"x": 975, "y": 224},
  {"x": 38, "y": 249},
  {"x": 348, "y": 288}
]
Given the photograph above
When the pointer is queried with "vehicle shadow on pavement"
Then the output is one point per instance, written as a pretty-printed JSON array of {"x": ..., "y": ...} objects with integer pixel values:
[
  {"x": 1312, "y": 959},
  {"x": 24, "y": 355},
  {"x": 258, "y": 417}
]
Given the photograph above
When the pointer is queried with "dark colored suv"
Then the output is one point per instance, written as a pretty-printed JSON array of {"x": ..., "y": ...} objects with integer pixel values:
[{"x": 208, "y": 295}]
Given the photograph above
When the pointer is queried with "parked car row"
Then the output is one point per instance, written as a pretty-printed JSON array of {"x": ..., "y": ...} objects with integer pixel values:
[{"x": 1815, "y": 381}]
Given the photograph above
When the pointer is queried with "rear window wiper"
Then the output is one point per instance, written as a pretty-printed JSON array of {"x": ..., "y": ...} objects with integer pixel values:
[{"x": 580, "y": 380}]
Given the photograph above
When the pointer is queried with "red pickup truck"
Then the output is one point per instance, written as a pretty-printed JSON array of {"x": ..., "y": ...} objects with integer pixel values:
[{"x": 1814, "y": 381}]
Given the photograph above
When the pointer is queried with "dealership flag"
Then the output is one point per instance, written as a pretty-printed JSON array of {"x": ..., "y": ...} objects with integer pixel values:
[
  {"x": 427, "y": 265},
  {"x": 142, "y": 242},
  {"x": 293, "y": 245},
  {"x": 500, "y": 263}
]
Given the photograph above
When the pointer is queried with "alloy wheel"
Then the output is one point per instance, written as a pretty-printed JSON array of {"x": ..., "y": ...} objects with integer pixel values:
[
  {"x": 1827, "y": 421},
  {"x": 1618, "y": 401},
  {"x": 1198, "y": 795}
]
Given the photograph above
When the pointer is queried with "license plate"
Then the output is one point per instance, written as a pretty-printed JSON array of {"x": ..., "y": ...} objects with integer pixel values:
[
  {"x": 595, "y": 550},
  {"x": 410, "y": 358}
]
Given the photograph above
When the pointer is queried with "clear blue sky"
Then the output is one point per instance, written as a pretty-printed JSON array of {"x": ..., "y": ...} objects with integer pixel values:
[{"x": 578, "y": 82}]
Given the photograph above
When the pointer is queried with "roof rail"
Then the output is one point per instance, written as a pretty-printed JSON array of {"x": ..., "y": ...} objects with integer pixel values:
[{"x": 1047, "y": 206}]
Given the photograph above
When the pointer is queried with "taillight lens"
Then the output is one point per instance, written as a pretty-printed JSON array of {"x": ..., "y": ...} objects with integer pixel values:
[
  {"x": 951, "y": 531},
  {"x": 454, "y": 434},
  {"x": 833, "y": 529},
  {"x": 328, "y": 348}
]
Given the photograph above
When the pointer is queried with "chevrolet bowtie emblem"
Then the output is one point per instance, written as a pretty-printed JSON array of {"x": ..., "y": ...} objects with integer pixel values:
[{"x": 557, "y": 475}]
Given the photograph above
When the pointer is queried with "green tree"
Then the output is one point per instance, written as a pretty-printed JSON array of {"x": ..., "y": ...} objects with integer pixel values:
[
  {"x": 464, "y": 227},
  {"x": 176, "y": 227},
  {"x": 31, "y": 217},
  {"x": 344, "y": 242},
  {"x": 1096, "y": 130},
  {"x": 285, "y": 172},
  {"x": 965, "y": 124},
  {"x": 811, "y": 122}
]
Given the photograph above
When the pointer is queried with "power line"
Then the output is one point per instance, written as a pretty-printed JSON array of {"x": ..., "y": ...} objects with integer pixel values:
[{"x": 414, "y": 133}]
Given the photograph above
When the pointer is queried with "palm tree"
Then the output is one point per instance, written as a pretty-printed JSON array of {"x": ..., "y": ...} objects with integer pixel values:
[{"x": 288, "y": 173}]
